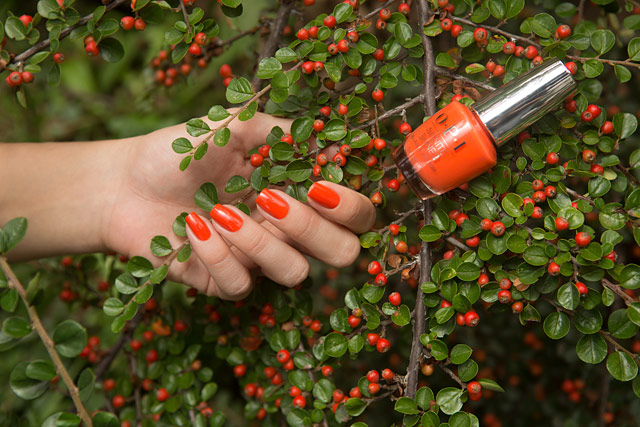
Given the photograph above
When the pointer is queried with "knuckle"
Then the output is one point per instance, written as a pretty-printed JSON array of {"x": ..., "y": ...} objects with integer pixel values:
[
  {"x": 259, "y": 243},
  {"x": 297, "y": 273},
  {"x": 347, "y": 252},
  {"x": 239, "y": 289},
  {"x": 308, "y": 228}
]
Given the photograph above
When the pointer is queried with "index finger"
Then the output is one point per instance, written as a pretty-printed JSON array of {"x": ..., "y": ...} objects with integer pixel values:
[{"x": 342, "y": 205}]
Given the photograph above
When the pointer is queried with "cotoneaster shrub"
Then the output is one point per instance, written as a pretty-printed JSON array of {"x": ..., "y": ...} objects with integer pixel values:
[{"x": 509, "y": 301}]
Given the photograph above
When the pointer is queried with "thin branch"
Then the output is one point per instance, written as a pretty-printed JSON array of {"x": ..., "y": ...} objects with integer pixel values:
[
  {"x": 274, "y": 37},
  {"x": 428, "y": 96},
  {"x": 628, "y": 300},
  {"x": 455, "y": 76},
  {"x": 64, "y": 33},
  {"x": 457, "y": 243},
  {"x": 108, "y": 359},
  {"x": 376, "y": 11},
  {"x": 14, "y": 283},
  {"x": 392, "y": 112},
  {"x": 186, "y": 16},
  {"x": 136, "y": 391},
  {"x": 498, "y": 31}
]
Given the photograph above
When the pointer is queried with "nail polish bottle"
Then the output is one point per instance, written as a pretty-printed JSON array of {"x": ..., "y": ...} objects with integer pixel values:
[{"x": 458, "y": 143}]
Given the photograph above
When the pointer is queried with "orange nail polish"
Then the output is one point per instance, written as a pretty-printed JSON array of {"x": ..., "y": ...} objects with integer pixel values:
[
  {"x": 459, "y": 143},
  {"x": 323, "y": 195},
  {"x": 197, "y": 225},
  {"x": 273, "y": 204},
  {"x": 227, "y": 218}
]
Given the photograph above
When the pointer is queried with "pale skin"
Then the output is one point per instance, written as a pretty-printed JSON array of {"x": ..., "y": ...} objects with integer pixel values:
[{"x": 115, "y": 195}]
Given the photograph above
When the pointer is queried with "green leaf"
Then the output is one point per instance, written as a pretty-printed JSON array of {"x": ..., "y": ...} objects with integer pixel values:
[
  {"x": 621, "y": 366},
  {"x": 429, "y": 233},
  {"x": 142, "y": 296},
  {"x": 236, "y": 183},
  {"x": 160, "y": 246},
  {"x": 268, "y": 68},
  {"x": 602, "y": 41},
  {"x": 139, "y": 266},
  {"x": 535, "y": 255},
  {"x": 556, "y": 325},
  {"x": 239, "y": 90},
  {"x": 301, "y": 128},
  {"x": 42, "y": 370},
  {"x": 445, "y": 60},
  {"x": 105, "y": 419},
  {"x": 24, "y": 387},
  {"x": 591, "y": 348},
  {"x": 217, "y": 113},
  {"x": 511, "y": 204},
  {"x": 355, "y": 406},
  {"x": 625, "y": 124},
  {"x": 403, "y": 32},
  {"x": 568, "y": 296},
  {"x": 286, "y": 54},
  {"x": 299, "y": 170},
  {"x": 13, "y": 232},
  {"x": 70, "y": 338},
  {"x": 460, "y": 353},
  {"x": 543, "y": 25},
  {"x": 449, "y": 400},
  {"x": 111, "y": 50},
  {"x": 181, "y": 145},
  {"x": 335, "y": 130},
  {"x": 9, "y": 300},
  {"x": 113, "y": 307},
  {"x": 86, "y": 382},
  {"x": 62, "y": 419},
  {"x": 335, "y": 345},
  {"x": 157, "y": 276},
  {"x": 490, "y": 385},
  {"x": 197, "y": 127},
  {"x": 16, "y": 327},
  {"x": 206, "y": 197},
  {"x": 407, "y": 406}
]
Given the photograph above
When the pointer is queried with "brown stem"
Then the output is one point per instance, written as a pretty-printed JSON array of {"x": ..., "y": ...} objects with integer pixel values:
[
  {"x": 376, "y": 11},
  {"x": 628, "y": 300},
  {"x": 14, "y": 283},
  {"x": 136, "y": 391},
  {"x": 429, "y": 98},
  {"x": 457, "y": 243},
  {"x": 64, "y": 33},
  {"x": 498, "y": 31},
  {"x": 274, "y": 37},
  {"x": 106, "y": 362},
  {"x": 392, "y": 112},
  {"x": 186, "y": 17}
]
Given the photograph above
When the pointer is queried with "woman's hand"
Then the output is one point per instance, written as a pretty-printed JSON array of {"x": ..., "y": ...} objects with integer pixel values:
[{"x": 151, "y": 192}]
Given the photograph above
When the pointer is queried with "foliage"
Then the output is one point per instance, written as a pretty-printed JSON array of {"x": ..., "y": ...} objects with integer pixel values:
[{"x": 188, "y": 342}]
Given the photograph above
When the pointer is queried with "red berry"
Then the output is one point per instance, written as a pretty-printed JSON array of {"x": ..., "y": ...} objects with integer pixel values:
[
  {"x": 135, "y": 345},
  {"x": 327, "y": 370},
  {"x": 92, "y": 49},
  {"x": 354, "y": 321},
  {"x": 302, "y": 34},
  {"x": 582, "y": 239},
  {"x": 343, "y": 109},
  {"x": 333, "y": 49},
  {"x": 299, "y": 402},
  {"x": 553, "y": 269},
  {"x": 508, "y": 48},
  {"x": 318, "y": 125},
  {"x": 256, "y": 160},
  {"x": 395, "y": 298},
  {"x": 479, "y": 34},
  {"x": 572, "y": 67},
  {"x": 371, "y": 160},
  {"x": 473, "y": 241},
  {"x": 381, "y": 279},
  {"x": 550, "y": 191},
  {"x": 373, "y": 376},
  {"x": 383, "y": 345},
  {"x": 139, "y": 24},
  {"x": 26, "y": 20},
  {"x": 377, "y": 95},
  {"x": 325, "y": 111},
  {"x": 595, "y": 168},
  {"x": 471, "y": 318},
  {"x": 372, "y": 338},
  {"x": 353, "y": 36},
  {"x": 387, "y": 374},
  {"x": 461, "y": 218},
  {"x": 561, "y": 223},
  {"x": 456, "y": 30},
  {"x": 330, "y": 21},
  {"x": 586, "y": 116},
  {"x": 384, "y": 14},
  {"x": 483, "y": 279},
  {"x": 405, "y": 128},
  {"x": 294, "y": 391},
  {"x": 118, "y": 401},
  {"x": 374, "y": 388},
  {"x": 109, "y": 384},
  {"x": 606, "y": 128},
  {"x": 355, "y": 392},
  {"x": 127, "y": 22},
  {"x": 94, "y": 341},
  {"x": 151, "y": 356},
  {"x": 162, "y": 394},
  {"x": 553, "y": 158},
  {"x": 504, "y": 296},
  {"x": 316, "y": 326},
  {"x": 343, "y": 46},
  {"x": 519, "y": 51},
  {"x": 504, "y": 283},
  {"x": 582, "y": 288},
  {"x": 517, "y": 307},
  {"x": 490, "y": 66},
  {"x": 240, "y": 370},
  {"x": 537, "y": 212},
  {"x": 287, "y": 138},
  {"x": 200, "y": 38},
  {"x": 446, "y": 24},
  {"x": 445, "y": 304},
  {"x": 58, "y": 58},
  {"x": 307, "y": 67},
  {"x": 378, "y": 55},
  {"x": 563, "y": 31},
  {"x": 393, "y": 185},
  {"x": 264, "y": 150},
  {"x": 594, "y": 110},
  {"x": 460, "y": 319},
  {"x": 531, "y": 52},
  {"x": 498, "y": 228},
  {"x": 339, "y": 159},
  {"x": 225, "y": 71},
  {"x": 283, "y": 356},
  {"x": 394, "y": 229},
  {"x": 537, "y": 185},
  {"x": 345, "y": 150},
  {"x": 486, "y": 224},
  {"x": 539, "y": 196}
]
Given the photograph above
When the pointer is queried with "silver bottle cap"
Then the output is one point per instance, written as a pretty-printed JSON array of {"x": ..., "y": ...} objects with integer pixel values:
[{"x": 513, "y": 107}]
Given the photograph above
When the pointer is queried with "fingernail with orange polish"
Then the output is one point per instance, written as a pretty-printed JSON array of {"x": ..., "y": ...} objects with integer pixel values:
[
  {"x": 323, "y": 195},
  {"x": 273, "y": 204},
  {"x": 227, "y": 218},
  {"x": 197, "y": 225}
]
